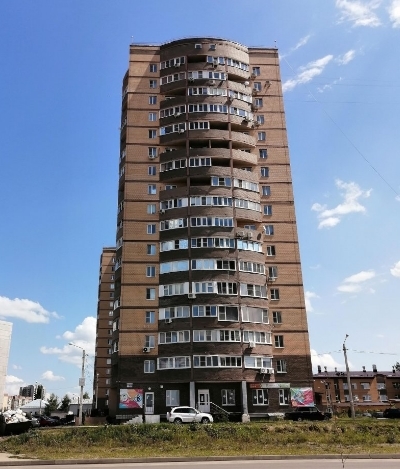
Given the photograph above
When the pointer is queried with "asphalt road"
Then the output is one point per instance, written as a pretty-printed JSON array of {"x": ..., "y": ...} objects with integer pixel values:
[{"x": 243, "y": 464}]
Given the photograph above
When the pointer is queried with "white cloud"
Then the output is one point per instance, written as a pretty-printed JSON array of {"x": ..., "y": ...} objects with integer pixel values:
[
  {"x": 17, "y": 367},
  {"x": 50, "y": 376},
  {"x": 308, "y": 295},
  {"x": 302, "y": 42},
  {"x": 395, "y": 270},
  {"x": 394, "y": 13},
  {"x": 346, "y": 58},
  {"x": 352, "y": 284},
  {"x": 359, "y": 12},
  {"x": 27, "y": 310},
  {"x": 397, "y": 198},
  {"x": 83, "y": 336},
  {"x": 308, "y": 72},
  {"x": 323, "y": 360},
  {"x": 351, "y": 193},
  {"x": 349, "y": 288},
  {"x": 360, "y": 277},
  {"x": 13, "y": 383}
]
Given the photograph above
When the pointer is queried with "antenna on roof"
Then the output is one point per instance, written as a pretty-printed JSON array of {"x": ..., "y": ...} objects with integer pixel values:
[{"x": 275, "y": 44}]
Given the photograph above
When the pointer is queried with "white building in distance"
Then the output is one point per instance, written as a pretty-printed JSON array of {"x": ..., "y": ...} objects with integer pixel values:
[{"x": 5, "y": 341}]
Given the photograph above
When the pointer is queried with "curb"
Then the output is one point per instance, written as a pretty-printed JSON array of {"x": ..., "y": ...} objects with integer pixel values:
[{"x": 34, "y": 462}]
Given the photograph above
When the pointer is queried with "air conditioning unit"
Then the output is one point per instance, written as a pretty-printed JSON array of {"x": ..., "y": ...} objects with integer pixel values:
[
  {"x": 264, "y": 371},
  {"x": 256, "y": 123},
  {"x": 152, "y": 157},
  {"x": 240, "y": 234},
  {"x": 267, "y": 83},
  {"x": 255, "y": 90},
  {"x": 168, "y": 321},
  {"x": 181, "y": 131},
  {"x": 191, "y": 296},
  {"x": 191, "y": 79},
  {"x": 162, "y": 210},
  {"x": 271, "y": 279},
  {"x": 246, "y": 83},
  {"x": 253, "y": 75},
  {"x": 252, "y": 344},
  {"x": 230, "y": 99},
  {"x": 212, "y": 82},
  {"x": 249, "y": 235},
  {"x": 246, "y": 119},
  {"x": 177, "y": 64},
  {"x": 215, "y": 64},
  {"x": 177, "y": 114},
  {"x": 146, "y": 349}
]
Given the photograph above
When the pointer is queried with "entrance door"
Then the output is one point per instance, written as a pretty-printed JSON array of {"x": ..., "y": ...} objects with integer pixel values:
[
  {"x": 203, "y": 400},
  {"x": 149, "y": 402}
]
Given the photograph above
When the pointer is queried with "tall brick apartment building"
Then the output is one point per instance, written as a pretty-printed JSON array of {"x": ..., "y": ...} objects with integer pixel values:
[{"x": 207, "y": 295}]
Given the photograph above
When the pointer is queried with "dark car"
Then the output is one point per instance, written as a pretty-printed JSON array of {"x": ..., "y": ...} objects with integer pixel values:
[
  {"x": 392, "y": 413},
  {"x": 47, "y": 421},
  {"x": 306, "y": 413}
]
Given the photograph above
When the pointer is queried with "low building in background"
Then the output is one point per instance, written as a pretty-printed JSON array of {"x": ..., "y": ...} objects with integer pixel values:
[{"x": 371, "y": 390}]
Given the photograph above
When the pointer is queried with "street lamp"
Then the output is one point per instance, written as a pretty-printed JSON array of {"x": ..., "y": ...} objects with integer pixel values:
[
  {"x": 353, "y": 413},
  {"x": 81, "y": 382},
  {"x": 97, "y": 388}
]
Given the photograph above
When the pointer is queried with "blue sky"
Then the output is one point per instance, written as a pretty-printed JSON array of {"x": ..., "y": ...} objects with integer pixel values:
[{"x": 62, "y": 66}]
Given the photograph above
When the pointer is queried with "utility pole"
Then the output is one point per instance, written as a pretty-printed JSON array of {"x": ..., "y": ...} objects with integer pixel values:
[
  {"x": 353, "y": 414},
  {"x": 81, "y": 383},
  {"x": 97, "y": 388}
]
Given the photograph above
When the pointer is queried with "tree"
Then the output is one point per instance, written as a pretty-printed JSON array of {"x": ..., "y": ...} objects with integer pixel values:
[
  {"x": 86, "y": 395},
  {"x": 396, "y": 366},
  {"x": 39, "y": 392},
  {"x": 64, "y": 406},
  {"x": 52, "y": 404}
]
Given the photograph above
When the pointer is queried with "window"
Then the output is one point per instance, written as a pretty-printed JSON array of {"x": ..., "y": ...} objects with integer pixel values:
[
  {"x": 150, "y": 317},
  {"x": 151, "y": 209},
  {"x": 152, "y": 151},
  {"x": 153, "y": 83},
  {"x": 151, "y": 271},
  {"x": 151, "y": 249},
  {"x": 365, "y": 385},
  {"x": 267, "y": 209},
  {"x": 268, "y": 230},
  {"x": 266, "y": 190},
  {"x": 152, "y": 116},
  {"x": 260, "y": 396},
  {"x": 112, "y": 295},
  {"x": 150, "y": 293},
  {"x": 173, "y": 337},
  {"x": 149, "y": 366},
  {"x": 152, "y": 99},
  {"x": 284, "y": 396},
  {"x": 256, "y": 71},
  {"x": 228, "y": 396},
  {"x": 171, "y": 397},
  {"x": 277, "y": 317},
  {"x": 149, "y": 341},
  {"x": 264, "y": 171},
  {"x": 272, "y": 272},
  {"x": 212, "y": 46},
  {"x": 257, "y": 86},
  {"x": 153, "y": 68},
  {"x": 198, "y": 46},
  {"x": 260, "y": 119},
  {"x": 274, "y": 294},
  {"x": 263, "y": 153},
  {"x": 151, "y": 170},
  {"x": 367, "y": 397},
  {"x": 258, "y": 102},
  {"x": 152, "y": 133},
  {"x": 152, "y": 189},
  {"x": 281, "y": 366},
  {"x": 279, "y": 341}
]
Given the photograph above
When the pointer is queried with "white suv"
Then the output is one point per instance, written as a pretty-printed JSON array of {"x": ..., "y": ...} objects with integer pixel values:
[{"x": 184, "y": 414}]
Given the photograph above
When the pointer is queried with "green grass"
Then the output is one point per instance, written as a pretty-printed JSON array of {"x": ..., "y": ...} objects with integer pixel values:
[{"x": 223, "y": 439}]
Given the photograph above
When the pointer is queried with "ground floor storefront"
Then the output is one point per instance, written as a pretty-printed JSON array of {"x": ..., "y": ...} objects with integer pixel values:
[{"x": 251, "y": 400}]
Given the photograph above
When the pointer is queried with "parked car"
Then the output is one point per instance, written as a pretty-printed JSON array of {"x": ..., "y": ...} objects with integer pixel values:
[
  {"x": 391, "y": 413},
  {"x": 377, "y": 414},
  {"x": 185, "y": 414},
  {"x": 307, "y": 413},
  {"x": 35, "y": 422},
  {"x": 47, "y": 421}
]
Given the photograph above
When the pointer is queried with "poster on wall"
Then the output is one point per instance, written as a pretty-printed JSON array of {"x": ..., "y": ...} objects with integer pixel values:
[
  {"x": 301, "y": 397},
  {"x": 130, "y": 398}
]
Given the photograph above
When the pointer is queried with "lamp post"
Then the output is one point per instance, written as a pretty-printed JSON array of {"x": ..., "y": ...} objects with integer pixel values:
[
  {"x": 81, "y": 382},
  {"x": 353, "y": 414},
  {"x": 97, "y": 388}
]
